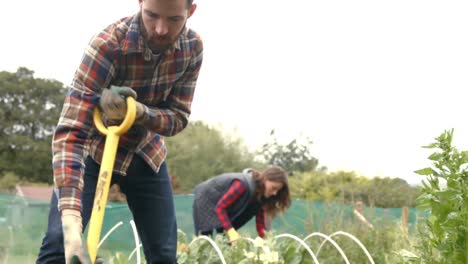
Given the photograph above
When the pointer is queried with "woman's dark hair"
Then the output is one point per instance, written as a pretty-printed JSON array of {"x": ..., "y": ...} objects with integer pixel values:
[{"x": 281, "y": 201}]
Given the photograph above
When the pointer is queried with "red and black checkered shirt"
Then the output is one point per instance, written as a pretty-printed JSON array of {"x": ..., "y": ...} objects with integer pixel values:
[{"x": 236, "y": 190}]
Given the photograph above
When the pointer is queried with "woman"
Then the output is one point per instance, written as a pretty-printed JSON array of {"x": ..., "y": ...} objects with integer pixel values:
[{"x": 228, "y": 201}]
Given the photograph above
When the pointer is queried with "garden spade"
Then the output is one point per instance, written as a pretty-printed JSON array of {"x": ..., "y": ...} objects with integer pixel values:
[{"x": 112, "y": 134}]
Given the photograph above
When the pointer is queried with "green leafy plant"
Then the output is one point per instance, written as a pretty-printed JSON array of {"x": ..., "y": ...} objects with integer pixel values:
[
  {"x": 444, "y": 195},
  {"x": 118, "y": 258}
]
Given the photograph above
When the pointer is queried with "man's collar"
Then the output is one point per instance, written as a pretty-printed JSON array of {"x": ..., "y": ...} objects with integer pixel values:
[{"x": 134, "y": 41}]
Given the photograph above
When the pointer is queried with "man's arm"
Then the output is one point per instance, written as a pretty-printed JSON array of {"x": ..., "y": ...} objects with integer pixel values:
[
  {"x": 76, "y": 122},
  {"x": 362, "y": 218},
  {"x": 172, "y": 117}
]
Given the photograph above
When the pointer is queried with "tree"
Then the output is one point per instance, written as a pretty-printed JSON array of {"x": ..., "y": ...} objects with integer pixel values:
[
  {"x": 391, "y": 192},
  {"x": 200, "y": 152},
  {"x": 293, "y": 157},
  {"x": 347, "y": 187},
  {"x": 29, "y": 112}
]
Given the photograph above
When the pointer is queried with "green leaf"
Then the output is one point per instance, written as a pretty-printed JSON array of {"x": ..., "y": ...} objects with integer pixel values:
[
  {"x": 436, "y": 156},
  {"x": 452, "y": 215},
  {"x": 433, "y": 145},
  {"x": 407, "y": 255},
  {"x": 425, "y": 171},
  {"x": 446, "y": 194},
  {"x": 464, "y": 156}
]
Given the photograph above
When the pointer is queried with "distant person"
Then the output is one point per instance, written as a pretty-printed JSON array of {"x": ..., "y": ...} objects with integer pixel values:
[
  {"x": 226, "y": 202},
  {"x": 153, "y": 57},
  {"x": 359, "y": 214}
]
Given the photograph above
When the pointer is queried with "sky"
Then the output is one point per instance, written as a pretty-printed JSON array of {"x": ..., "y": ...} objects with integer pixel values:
[{"x": 369, "y": 82}]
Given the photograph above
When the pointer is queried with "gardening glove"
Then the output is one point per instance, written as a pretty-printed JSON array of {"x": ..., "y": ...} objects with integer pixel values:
[
  {"x": 72, "y": 230},
  {"x": 113, "y": 102},
  {"x": 232, "y": 234}
]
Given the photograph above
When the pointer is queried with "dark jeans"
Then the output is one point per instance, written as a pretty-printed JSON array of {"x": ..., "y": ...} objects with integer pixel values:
[{"x": 149, "y": 197}]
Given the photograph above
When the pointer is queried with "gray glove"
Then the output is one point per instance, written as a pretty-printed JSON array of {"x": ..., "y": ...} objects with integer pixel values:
[
  {"x": 113, "y": 103},
  {"x": 72, "y": 231}
]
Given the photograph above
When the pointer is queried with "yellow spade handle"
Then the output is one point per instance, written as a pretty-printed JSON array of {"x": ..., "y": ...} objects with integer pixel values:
[
  {"x": 105, "y": 173},
  {"x": 126, "y": 123}
]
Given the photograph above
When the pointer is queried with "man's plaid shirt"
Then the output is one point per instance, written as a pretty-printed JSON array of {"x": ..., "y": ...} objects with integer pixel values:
[{"x": 165, "y": 84}]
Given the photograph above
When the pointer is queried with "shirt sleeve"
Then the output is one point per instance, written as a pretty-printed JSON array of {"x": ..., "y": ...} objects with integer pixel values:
[
  {"x": 76, "y": 123},
  {"x": 172, "y": 116},
  {"x": 260, "y": 222},
  {"x": 235, "y": 191}
]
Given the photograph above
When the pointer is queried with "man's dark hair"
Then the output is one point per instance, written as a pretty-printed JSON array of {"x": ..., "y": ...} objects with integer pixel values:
[{"x": 189, "y": 3}]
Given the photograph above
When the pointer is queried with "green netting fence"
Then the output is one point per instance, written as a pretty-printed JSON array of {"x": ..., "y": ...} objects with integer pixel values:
[{"x": 23, "y": 222}]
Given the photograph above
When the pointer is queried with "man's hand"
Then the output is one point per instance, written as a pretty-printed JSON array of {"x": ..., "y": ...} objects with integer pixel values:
[
  {"x": 113, "y": 103},
  {"x": 72, "y": 231},
  {"x": 233, "y": 235}
]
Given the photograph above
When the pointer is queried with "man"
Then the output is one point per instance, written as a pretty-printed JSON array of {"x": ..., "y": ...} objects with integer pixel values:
[
  {"x": 154, "y": 58},
  {"x": 359, "y": 214}
]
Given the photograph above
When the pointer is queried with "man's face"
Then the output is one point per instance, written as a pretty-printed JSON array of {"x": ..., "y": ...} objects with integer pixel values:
[
  {"x": 164, "y": 20},
  {"x": 359, "y": 207}
]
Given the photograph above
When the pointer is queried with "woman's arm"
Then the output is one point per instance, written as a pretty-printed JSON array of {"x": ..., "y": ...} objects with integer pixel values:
[
  {"x": 260, "y": 223},
  {"x": 235, "y": 191}
]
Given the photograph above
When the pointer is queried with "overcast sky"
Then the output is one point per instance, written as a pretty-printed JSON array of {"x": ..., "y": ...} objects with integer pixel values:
[{"x": 370, "y": 82}]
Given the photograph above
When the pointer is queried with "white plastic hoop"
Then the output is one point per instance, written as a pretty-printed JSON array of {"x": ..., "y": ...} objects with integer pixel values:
[
  {"x": 134, "y": 251},
  {"x": 340, "y": 250},
  {"x": 137, "y": 241},
  {"x": 213, "y": 244},
  {"x": 108, "y": 233},
  {"x": 311, "y": 253},
  {"x": 369, "y": 257}
]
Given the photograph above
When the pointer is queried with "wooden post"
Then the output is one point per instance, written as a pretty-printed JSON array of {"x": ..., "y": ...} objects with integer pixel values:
[{"x": 404, "y": 219}]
